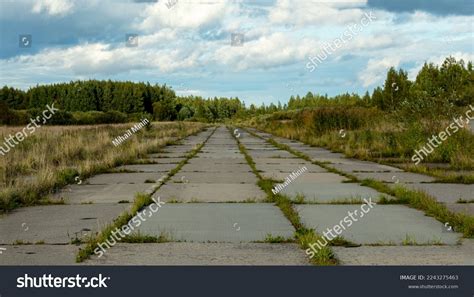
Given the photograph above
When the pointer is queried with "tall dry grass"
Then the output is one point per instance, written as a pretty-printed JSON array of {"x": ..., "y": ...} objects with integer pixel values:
[
  {"x": 370, "y": 135},
  {"x": 54, "y": 155}
]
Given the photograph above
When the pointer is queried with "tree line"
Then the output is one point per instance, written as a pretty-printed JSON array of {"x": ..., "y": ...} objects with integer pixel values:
[
  {"x": 95, "y": 102},
  {"x": 436, "y": 90}
]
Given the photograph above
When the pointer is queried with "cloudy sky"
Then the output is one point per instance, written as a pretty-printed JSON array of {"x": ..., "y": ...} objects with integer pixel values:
[{"x": 187, "y": 44}]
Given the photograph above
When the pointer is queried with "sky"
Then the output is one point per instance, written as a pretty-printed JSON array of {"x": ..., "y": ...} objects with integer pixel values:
[{"x": 259, "y": 51}]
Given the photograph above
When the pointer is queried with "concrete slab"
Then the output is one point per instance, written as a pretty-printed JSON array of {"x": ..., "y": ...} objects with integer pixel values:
[
  {"x": 271, "y": 154},
  {"x": 123, "y": 178},
  {"x": 216, "y": 161},
  {"x": 326, "y": 158},
  {"x": 381, "y": 225},
  {"x": 252, "y": 140},
  {"x": 259, "y": 145},
  {"x": 215, "y": 177},
  {"x": 216, "y": 168},
  {"x": 187, "y": 192},
  {"x": 446, "y": 192},
  {"x": 147, "y": 167},
  {"x": 361, "y": 166},
  {"x": 219, "y": 155},
  {"x": 167, "y": 155},
  {"x": 328, "y": 192},
  {"x": 110, "y": 193},
  {"x": 209, "y": 148},
  {"x": 195, "y": 253},
  {"x": 290, "y": 168},
  {"x": 218, "y": 222},
  {"x": 57, "y": 224},
  {"x": 178, "y": 148},
  {"x": 280, "y": 161},
  {"x": 238, "y": 157},
  {"x": 315, "y": 178},
  {"x": 407, "y": 255},
  {"x": 261, "y": 148},
  {"x": 395, "y": 177},
  {"x": 166, "y": 160},
  {"x": 313, "y": 150},
  {"x": 39, "y": 255},
  {"x": 465, "y": 208}
]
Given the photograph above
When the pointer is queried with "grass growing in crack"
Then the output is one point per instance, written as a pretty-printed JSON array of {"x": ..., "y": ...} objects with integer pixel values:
[
  {"x": 409, "y": 240},
  {"x": 303, "y": 235},
  {"x": 141, "y": 201},
  {"x": 140, "y": 238},
  {"x": 277, "y": 239},
  {"x": 324, "y": 256},
  {"x": 299, "y": 199},
  {"x": 341, "y": 241}
]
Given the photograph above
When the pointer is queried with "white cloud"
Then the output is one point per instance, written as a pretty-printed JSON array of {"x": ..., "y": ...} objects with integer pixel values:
[
  {"x": 98, "y": 58},
  {"x": 268, "y": 51},
  {"x": 316, "y": 13},
  {"x": 53, "y": 7},
  {"x": 191, "y": 14},
  {"x": 377, "y": 69}
]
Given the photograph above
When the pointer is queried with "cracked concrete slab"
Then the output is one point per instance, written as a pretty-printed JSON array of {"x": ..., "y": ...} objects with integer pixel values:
[
  {"x": 280, "y": 161},
  {"x": 464, "y": 208},
  {"x": 218, "y": 222},
  {"x": 168, "y": 155},
  {"x": 445, "y": 192},
  {"x": 407, "y": 255},
  {"x": 123, "y": 178},
  {"x": 57, "y": 224},
  {"x": 215, "y": 177},
  {"x": 205, "y": 192},
  {"x": 237, "y": 168},
  {"x": 400, "y": 223},
  {"x": 312, "y": 177},
  {"x": 271, "y": 154},
  {"x": 330, "y": 192},
  {"x": 394, "y": 177},
  {"x": 195, "y": 253},
  {"x": 217, "y": 161},
  {"x": 109, "y": 193},
  {"x": 290, "y": 168},
  {"x": 363, "y": 166},
  {"x": 147, "y": 167},
  {"x": 166, "y": 160},
  {"x": 43, "y": 254}
]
